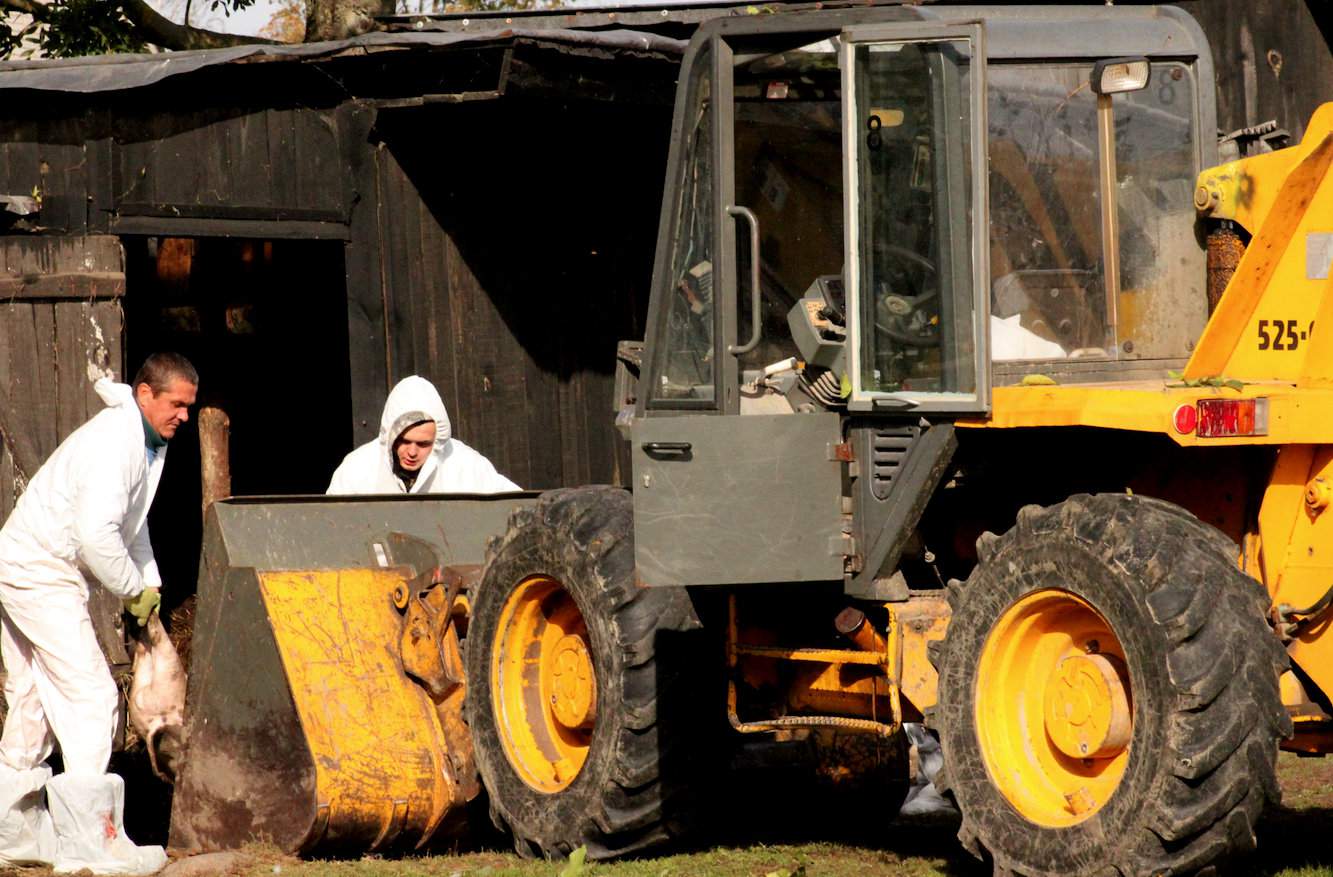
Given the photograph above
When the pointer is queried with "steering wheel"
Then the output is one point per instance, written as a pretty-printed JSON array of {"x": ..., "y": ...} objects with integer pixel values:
[{"x": 904, "y": 318}]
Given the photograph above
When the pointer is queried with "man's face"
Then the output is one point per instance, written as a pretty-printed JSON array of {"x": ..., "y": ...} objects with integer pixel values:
[
  {"x": 167, "y": 410},
  {"x": 413, "y": 446}
]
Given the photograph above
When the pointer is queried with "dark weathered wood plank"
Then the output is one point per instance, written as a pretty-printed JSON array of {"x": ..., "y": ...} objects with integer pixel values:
[
  {"x": 542, "y": 413},
  {"x": 23, "y": 157},
  {"x": 318, "y": 170},
  {"x": 17, "y": 339},
  {"x": 8, "y": 490},
  {"x": 413, "y": 285},
  {"x": 399, "y": 339},
  {"x": 95, "y": 255},
  {"x": 251, "y": 163},
  {"x": 8, "y": 414},
  {"x": 95, "y": 124},
  {"x": 281, "y": 148},
  {"x": 1269, "y": 60},
  {"x": 467, "y": 341},
  {"x": 71, "y": 365},
  {"x": 365, "y": 255},
  {"x": 79, "y": 287},
  {"x": 45, "y": 397},
  {"x": 29, "y": 396},
  {"x": 106, "y": 343}
]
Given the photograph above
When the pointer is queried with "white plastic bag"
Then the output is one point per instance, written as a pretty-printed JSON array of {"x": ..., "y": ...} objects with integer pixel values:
[
  {"x": 26, "y": 836},
  {"x": 86, "y": 814},
  {"x": 923, "y": 798}
]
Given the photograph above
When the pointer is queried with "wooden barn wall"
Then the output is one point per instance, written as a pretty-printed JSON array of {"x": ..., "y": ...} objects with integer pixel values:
[
  {"x": 1273, "y": 59},
  {"x": 109, "y": 163},
  {"x": 517, "y": 251},
  {"x": 60, "y": 319},
  {"x": 500, "y": 248},
  {"x": 268, "y": 163},
  {"x": 50, "y": 153}
]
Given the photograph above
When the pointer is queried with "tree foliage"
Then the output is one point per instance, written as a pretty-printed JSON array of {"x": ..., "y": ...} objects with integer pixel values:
[
  {"x": 68, "y": 28},
  {"x": 65, "y": 28}
]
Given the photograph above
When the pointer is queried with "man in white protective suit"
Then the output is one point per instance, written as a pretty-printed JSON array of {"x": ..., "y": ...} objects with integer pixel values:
[
  {"x": 415, "y": 451},
  {"x": 81, "y": 523}
]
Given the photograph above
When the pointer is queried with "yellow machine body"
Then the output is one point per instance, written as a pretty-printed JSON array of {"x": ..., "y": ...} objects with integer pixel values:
[
  {"x": 1271, "y": 333},
  {"x": 1269, "y": 339},
  {"x": 386, "y": 765}
]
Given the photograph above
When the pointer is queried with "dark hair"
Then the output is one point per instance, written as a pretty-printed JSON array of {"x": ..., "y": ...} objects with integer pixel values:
[{"x": 159, "y": 370}]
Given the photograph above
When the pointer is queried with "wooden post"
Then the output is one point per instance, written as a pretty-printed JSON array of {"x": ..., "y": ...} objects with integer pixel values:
[{"x": 214, "y": 455}]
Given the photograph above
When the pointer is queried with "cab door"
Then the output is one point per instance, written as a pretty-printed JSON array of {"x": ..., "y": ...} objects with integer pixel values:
[{"x": 726, "y": 493}]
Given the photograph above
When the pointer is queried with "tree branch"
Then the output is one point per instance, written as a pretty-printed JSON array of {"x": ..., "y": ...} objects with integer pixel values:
[
  {"x": 25, "y": 6},
  {"x": 162, "y": 31}
]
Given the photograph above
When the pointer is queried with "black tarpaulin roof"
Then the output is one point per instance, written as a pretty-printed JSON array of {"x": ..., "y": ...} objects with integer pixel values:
[{"x": 102, "y": 73}]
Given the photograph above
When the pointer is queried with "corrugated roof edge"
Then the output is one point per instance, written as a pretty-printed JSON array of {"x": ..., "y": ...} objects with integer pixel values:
[{"x": 99, "y": 73}]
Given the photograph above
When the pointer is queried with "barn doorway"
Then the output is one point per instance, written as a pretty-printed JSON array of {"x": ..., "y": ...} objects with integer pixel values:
[{"x": 265, "y": 323}]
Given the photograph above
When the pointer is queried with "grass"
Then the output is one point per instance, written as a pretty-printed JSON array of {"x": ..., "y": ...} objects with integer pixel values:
[
  {"x": 784, "y": 840},
  {"x": 1294, "y": 841}
]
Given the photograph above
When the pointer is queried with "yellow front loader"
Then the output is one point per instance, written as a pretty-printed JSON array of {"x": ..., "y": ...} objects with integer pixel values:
[{"x": 992, "y": 462}]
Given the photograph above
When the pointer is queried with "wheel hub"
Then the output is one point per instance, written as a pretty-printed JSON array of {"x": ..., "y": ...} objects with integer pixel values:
[
  {"x": 1054, "y": 707},
  {"x": 543, "y": 684},
  {"x": 573, "y": 691},
  {"x": 1087, "y": 709}
]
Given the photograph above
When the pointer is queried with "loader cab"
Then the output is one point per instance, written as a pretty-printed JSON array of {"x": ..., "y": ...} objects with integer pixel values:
[
  {"x": 952, "y": 178},
  {"x": 875, "y": 216}
]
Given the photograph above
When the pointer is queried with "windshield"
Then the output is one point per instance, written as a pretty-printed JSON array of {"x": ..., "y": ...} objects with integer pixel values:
[{"x": 1049, "y": 228}]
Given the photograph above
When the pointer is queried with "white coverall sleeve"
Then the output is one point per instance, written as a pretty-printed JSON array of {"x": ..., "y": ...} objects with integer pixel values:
[
  {"x": 499, "y": 483},
  {"x": 141, "y": 552},
  {"x": 102, "y": 504},
  {"x": 489, "y": 478},
  {"x": 339, "y": 486}
]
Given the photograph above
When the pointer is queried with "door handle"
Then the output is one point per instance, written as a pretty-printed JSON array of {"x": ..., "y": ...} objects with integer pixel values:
[
  {"x": 755, "y": 327},
  {"x": 667, "y": 447}
]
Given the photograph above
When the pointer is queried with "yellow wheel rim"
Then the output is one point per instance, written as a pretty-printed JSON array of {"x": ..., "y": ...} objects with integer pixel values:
[
  {"x": 543, "y": 685},
  {"x": 1054, "y": 712}
]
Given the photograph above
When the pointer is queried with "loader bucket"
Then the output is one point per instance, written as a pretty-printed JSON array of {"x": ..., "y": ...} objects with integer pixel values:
[{"x": 304, "y": 729}]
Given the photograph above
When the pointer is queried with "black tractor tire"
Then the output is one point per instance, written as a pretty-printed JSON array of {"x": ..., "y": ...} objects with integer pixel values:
[
  {"x": 632, "y": 791},
  {"x": 1203, "y": 666}
]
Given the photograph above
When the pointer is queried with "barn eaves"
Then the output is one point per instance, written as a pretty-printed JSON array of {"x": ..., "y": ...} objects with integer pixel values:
[{"x": 126, "y": 72}]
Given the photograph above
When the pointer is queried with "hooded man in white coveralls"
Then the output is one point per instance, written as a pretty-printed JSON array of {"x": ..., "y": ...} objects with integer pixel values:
[
  {"x": 81, "y": 523},
  {"x": 415, "y": 451}
]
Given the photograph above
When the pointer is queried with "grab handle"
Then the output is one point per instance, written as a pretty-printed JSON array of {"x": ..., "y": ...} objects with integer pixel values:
[{"x": 753, "y": 221}]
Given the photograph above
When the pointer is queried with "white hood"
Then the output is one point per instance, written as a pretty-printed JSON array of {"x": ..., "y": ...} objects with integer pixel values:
[
  {"x": 413, "y": 400},
  {"x": 113, "y": 394}
]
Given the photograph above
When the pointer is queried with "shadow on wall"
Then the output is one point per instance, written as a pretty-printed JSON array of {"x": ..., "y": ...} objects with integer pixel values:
[{"x": 512, "y": 281}]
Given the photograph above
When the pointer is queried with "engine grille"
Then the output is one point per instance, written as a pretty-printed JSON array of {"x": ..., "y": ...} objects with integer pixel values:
[{"x": 888, "y": 450}]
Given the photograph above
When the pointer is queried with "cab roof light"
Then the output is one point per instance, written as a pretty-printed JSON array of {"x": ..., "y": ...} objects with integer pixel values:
[{"x": 1118, "y": 75}]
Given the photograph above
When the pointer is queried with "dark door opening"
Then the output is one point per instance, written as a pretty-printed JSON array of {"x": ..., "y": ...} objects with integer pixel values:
[{"x": 265, "y": 323}]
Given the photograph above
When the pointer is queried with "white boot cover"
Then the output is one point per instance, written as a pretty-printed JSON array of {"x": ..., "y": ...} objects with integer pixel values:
[
  {"x": 86, "y": 813},
  {"x": 923, "y": 798},
  {"x": 26, "y": 836}
]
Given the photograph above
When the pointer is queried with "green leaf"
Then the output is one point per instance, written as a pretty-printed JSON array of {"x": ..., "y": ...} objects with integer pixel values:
[
  {"x": 1037, "y": 381},
  {"x": 1215, "y": 381},
  {"x": 575, "y": 866}
]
